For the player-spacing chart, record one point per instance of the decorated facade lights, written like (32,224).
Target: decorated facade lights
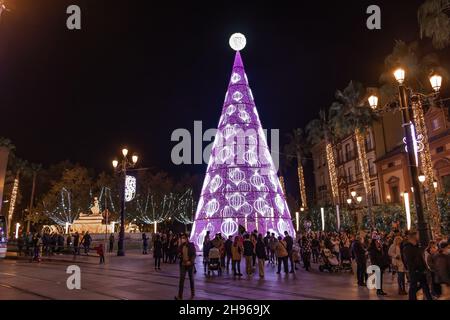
(127,193)
(416,141)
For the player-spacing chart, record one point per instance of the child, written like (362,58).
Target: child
(101,253)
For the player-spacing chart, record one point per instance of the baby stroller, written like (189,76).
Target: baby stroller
(214,261)
(346,261)
(330,262)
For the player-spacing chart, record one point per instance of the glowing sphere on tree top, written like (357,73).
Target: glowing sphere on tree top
(241,186)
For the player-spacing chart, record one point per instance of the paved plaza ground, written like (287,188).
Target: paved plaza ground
(133,277)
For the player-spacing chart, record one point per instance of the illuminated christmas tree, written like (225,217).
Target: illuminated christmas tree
(241,186)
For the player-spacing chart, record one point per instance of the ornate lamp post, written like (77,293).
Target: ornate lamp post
(121,168)
(412,141)
(353,204)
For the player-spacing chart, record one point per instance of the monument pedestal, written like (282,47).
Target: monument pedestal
(91,223)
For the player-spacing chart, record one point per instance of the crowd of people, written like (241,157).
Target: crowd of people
(395,253)
(37,244)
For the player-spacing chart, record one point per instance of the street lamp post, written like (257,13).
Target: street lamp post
(122,168)
(354,207)
(410,134)
(412,144)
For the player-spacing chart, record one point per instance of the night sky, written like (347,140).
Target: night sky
(137,71)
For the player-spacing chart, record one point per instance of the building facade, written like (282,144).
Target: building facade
(387,160)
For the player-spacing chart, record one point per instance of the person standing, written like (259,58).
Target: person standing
(111,242)
(266,244)
(236,255)
(315,248)
(69,242)
(101,253)
(60,239)
(289,245)
(87,240)
(431,251)
(261,254)
(397,263)
(273,244)
(144,244)
(76,243)
(186,252)
(377,258)
(20,243)
(206,248)
(282,255)
(157,251)
(306,252)
(248,254)
(254,239)
(228,245)
(415,263)
(359,255)
(441,266)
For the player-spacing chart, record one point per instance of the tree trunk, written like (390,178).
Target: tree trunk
(427,169)
(364,167)
(332,172)
(12,200)
(301,182)
(33,188)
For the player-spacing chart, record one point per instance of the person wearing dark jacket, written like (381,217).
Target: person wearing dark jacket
(377,257)
(157,251)
(290,245)
(228,253)
(111,242)
(248,254)
(415,263)
(207,245)
(186,253)
(76,243)
(359,255)
(261,255)
(441,265)
(144,244)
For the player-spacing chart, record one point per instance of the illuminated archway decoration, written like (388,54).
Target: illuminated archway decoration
(241,186)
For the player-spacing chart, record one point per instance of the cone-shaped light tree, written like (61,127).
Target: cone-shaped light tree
(241,187)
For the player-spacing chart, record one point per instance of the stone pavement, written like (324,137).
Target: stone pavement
(133,277)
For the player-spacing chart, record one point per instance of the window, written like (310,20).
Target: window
(390,164)
(395,194)
(350,174)
(368,142)
(348,152)
(371,167)
(322,180)
(440,149)
(435,124)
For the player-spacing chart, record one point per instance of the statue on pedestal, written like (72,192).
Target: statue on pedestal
(95,209)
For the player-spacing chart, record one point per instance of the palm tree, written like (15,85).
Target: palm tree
(354,116)
(297,148)
(322,130)
(434,22)
(34,169)
(19,166)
